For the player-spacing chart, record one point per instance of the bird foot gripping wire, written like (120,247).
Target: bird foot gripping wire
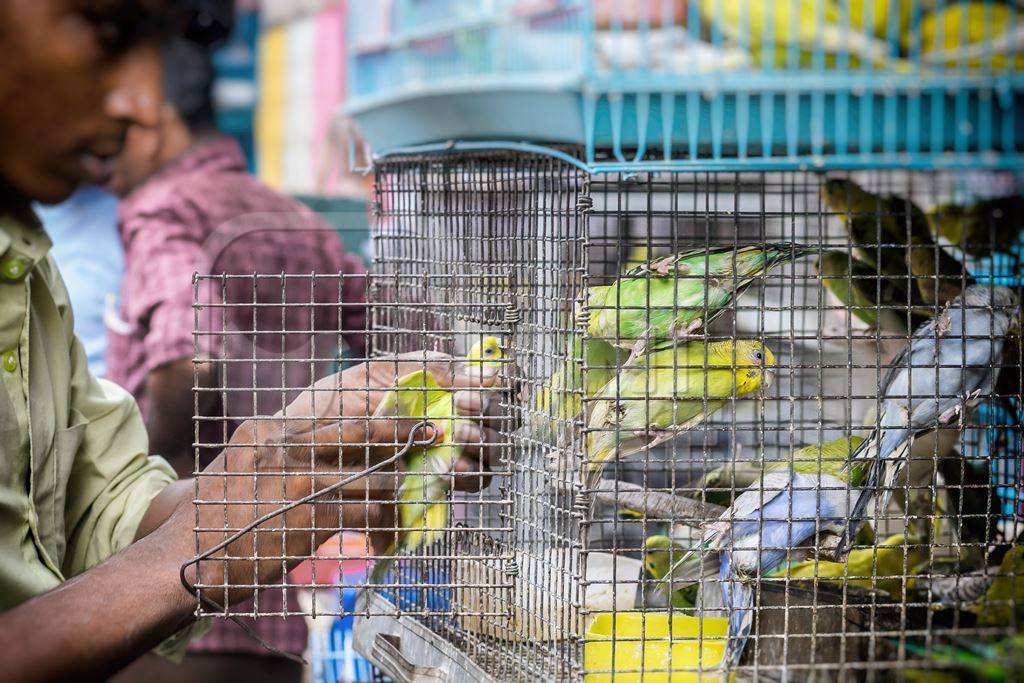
(410,443)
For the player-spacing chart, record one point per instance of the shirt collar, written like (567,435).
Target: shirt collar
(219,154)
(23,243)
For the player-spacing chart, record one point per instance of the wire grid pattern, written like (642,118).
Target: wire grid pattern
(470,245)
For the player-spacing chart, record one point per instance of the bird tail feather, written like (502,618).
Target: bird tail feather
(739,599)
(893,445)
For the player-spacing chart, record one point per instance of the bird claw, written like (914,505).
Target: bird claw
(639,348)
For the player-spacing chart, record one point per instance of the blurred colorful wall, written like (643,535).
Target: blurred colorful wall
(279,91)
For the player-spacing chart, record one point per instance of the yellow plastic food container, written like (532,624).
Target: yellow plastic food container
(635,647)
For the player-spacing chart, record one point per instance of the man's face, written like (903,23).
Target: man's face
(142,154)
(76,75)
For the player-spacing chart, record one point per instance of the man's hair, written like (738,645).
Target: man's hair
(188,82)
(188,69)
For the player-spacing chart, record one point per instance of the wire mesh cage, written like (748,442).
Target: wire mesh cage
(760,424)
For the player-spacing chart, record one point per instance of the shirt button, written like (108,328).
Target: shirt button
(10,361)
(12,268)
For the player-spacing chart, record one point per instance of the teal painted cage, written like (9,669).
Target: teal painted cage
(682,84)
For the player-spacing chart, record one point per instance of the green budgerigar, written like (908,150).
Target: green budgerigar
(669,299)
(668,392)
(877,237)
(660,553)
(423,507)
(980,228)
(894,235)
(1003,604)
(859,287)
(721,483)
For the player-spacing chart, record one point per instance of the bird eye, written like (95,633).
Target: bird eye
(758,356)
(489,350)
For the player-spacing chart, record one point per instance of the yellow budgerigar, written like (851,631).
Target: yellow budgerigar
(660,553)
(883,567)
(808,26)
(668,392)
(972,35)
(559,400)
(423,507)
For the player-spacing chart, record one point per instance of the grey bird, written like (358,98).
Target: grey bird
(949,366)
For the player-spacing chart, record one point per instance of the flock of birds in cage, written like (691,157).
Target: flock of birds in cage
(645,369)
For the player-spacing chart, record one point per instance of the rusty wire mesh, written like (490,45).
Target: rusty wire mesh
(523,575)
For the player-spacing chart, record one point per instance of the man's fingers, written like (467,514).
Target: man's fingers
(479,443)
(476,376)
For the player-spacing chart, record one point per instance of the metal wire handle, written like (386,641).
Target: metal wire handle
(410,443)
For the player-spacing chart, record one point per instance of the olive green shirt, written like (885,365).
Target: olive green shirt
(75,476)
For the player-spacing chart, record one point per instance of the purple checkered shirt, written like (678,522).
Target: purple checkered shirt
(203,213)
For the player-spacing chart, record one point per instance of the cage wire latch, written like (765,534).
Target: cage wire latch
(410,443)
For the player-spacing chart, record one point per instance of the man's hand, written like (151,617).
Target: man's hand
(329,432)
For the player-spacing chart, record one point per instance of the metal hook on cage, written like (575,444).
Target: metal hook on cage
(410,443)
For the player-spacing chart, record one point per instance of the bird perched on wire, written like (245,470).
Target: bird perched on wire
(795,499)
(423,508)
(950,364)
(660,553)
(559,400)
(669,299)
(668,392)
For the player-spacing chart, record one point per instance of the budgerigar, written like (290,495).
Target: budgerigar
(668,392)
(559,401)
(660,553)
(884,567)
(423,507)
(877,237)
(894,235)
(980,228)
(950,364)
(794,500)
(948,34)
(1003,604)
(808,26)
(669,299)
(866,294)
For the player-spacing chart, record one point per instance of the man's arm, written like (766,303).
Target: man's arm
(172,403)
(113,612)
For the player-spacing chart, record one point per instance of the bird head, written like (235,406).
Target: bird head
(841,194)
(754,361)
(485,352)
(658,555)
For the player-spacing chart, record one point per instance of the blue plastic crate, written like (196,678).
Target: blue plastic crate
(333,655)
(664,88)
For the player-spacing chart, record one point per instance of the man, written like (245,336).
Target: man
(88,252)
(93,534)
(189,206)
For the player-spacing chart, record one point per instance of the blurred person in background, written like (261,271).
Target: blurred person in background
(87,249)
(95,534)
(190,206)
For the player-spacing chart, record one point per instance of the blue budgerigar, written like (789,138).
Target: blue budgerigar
(949,366)
(796,498)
